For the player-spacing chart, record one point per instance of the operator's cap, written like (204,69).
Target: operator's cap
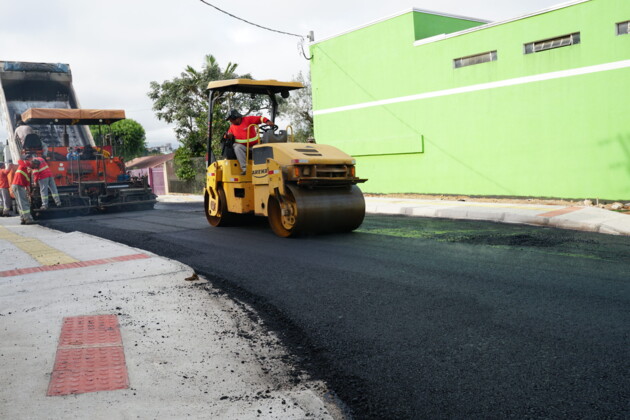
(234,114)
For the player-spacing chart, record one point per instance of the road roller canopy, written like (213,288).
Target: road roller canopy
(260,87)
(59,116)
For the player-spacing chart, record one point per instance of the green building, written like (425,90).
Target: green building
(536,106)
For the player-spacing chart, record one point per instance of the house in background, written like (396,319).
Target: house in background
(534,106)
(156,168)
(164,149)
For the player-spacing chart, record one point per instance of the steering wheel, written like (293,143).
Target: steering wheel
(267,127)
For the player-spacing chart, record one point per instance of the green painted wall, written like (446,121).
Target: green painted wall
(563,137)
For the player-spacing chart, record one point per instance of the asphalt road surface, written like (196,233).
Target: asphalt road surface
(423,318)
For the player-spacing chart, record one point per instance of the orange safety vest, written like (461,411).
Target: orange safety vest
(247,131)
(4,178)
(42,172)
(21,177)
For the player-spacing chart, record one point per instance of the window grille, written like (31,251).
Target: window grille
(623,28)
(548,44)
(475,59)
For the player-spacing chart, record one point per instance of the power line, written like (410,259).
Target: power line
(300,42)
(251,23)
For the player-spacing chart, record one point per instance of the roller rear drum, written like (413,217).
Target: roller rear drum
(305,211)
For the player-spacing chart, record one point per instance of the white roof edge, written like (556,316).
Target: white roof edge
(492,24)
(383,19)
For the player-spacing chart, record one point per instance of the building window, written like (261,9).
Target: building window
(475,59)
(548,44)
(623,28)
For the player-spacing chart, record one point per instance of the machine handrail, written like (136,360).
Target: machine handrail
(247,144)
(291,136)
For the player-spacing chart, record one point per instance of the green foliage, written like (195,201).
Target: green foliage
(183,101)
(185,169)
(298,108)
(127,137)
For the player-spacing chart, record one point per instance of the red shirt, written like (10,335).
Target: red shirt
(4,178)
(43,171)
(21,176)
(247,132)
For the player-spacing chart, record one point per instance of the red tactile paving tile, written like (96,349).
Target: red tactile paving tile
(65,382)
(30,270)
(90,331)
(90,356)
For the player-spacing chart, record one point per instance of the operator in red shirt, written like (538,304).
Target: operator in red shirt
(244,132)
(44,177)
(21,183)
(5,196)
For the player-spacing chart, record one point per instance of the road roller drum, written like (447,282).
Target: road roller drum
(308,211)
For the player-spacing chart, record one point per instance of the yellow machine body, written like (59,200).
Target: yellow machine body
(300,187)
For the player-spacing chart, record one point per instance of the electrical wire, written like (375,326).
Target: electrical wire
(246,21)
(300,43)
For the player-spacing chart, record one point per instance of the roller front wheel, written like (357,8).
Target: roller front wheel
(283,217)
(222,216)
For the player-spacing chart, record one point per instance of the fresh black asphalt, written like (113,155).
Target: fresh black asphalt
(423,318)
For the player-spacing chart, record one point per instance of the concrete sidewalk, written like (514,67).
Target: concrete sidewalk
(586,218)
(184,349)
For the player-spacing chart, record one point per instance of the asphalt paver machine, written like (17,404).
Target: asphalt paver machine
(91,178)
(42,95)
(302,188)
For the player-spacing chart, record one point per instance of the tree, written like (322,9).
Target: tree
(299,109)
(128,137)
(183,101)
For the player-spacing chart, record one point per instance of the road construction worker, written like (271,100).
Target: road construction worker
(46,181)
(5,196)
(72,154)
(244,134)
(19,186)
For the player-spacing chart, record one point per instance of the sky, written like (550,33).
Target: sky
(115,48)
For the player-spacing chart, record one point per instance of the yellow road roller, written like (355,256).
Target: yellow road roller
(302,188)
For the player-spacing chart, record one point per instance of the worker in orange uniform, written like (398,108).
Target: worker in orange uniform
(46,181)
(244,134)
(5,196)
(19,186)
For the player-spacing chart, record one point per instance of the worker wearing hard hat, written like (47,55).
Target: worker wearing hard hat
(20,184)
(44,178)
(244,132)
